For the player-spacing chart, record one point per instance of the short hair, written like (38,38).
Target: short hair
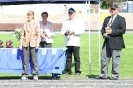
(31,12)
(44,13)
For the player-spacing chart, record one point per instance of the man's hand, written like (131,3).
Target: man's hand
(71,33)
(67,32)
(109,31)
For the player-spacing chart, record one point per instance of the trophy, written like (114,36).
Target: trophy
(106,28)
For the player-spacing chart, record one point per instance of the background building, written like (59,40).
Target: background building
(50,8)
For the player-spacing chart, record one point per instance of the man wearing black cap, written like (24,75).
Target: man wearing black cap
(72,29)
(114,27)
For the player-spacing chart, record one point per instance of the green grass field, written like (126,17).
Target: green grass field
(126,66)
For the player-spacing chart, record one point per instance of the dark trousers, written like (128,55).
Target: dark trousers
(45,45)
(27,51)
(75,50)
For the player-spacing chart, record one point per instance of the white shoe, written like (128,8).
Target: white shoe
(24,78)
(35,78)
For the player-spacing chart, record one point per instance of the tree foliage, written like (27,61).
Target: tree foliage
(106,3)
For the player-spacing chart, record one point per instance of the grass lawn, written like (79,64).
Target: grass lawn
(126,65)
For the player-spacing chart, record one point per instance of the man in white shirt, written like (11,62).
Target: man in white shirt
(72,29)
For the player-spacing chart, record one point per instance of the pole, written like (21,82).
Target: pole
(1,6)
(89,41)
(127,6)
(99,33)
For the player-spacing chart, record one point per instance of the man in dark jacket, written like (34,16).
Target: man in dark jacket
(114,27)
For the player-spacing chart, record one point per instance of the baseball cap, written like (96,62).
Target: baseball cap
(114,6)
(71,10)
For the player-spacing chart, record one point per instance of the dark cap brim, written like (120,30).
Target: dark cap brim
(113,8)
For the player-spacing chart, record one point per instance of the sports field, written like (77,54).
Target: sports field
(126,65)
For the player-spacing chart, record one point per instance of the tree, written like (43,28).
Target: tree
(106,3)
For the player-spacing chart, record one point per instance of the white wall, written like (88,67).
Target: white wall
(39,8)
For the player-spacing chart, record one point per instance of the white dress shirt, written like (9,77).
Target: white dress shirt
(76,25)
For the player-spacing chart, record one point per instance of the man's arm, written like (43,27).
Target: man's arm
(22,36)
(63,29)
(122,28)
(38,32)
(103,28)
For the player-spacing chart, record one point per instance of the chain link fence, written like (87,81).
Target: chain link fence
(125,7)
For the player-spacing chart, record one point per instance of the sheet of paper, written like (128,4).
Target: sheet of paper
(14,51)
(54,51)
(44,51)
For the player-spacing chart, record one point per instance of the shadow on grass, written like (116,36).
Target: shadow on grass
(92,76)
(49,77)
(9,77)
(29,77)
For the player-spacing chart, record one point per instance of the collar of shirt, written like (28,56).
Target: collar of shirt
(72,19)
(46,23)
(30,22)
(114,16)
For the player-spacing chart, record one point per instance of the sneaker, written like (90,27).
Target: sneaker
(35,78)
(77,74)
(113,78)
(24,78)
(100,77)
(67,73)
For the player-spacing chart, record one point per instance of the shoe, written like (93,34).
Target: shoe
(113,78)
(99,77)
(35,78)
(78,74)
(67,73)
(24,78)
